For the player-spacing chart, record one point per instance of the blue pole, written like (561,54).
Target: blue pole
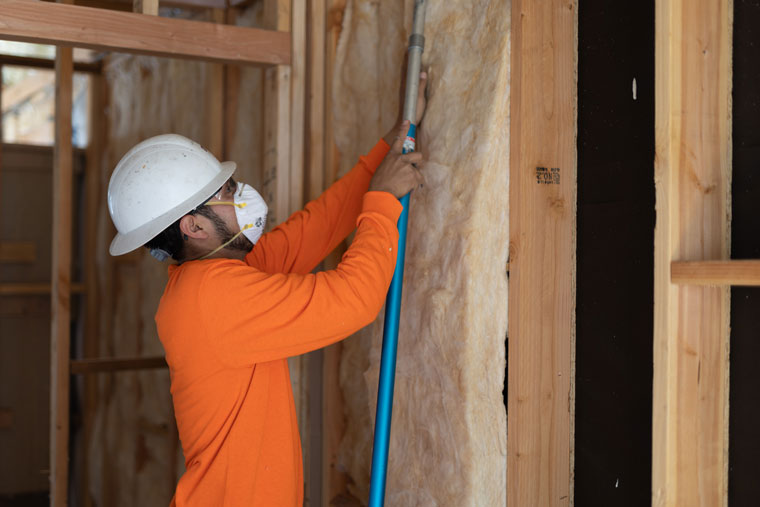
(393,301)
(388,368)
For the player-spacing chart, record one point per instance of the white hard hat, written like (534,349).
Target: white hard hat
(156,183)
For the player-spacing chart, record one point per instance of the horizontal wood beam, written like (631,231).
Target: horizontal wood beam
(73,25)
(18,252)
(239,4)
(746,273)
(127,5)
(86,366)
(34,289)
(45,63)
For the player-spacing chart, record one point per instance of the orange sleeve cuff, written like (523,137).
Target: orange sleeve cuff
(383,203)
(375,156)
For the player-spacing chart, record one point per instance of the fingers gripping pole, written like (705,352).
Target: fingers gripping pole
(393,301)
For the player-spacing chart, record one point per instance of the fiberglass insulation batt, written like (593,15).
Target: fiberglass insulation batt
(448,438)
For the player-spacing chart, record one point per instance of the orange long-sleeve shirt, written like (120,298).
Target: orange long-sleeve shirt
(227,327)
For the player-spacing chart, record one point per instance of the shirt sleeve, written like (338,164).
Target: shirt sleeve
(305,239)
(252,316)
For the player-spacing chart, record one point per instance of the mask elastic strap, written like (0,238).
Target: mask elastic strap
(212,252)
(228,203)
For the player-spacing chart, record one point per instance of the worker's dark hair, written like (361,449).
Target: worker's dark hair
(170,239)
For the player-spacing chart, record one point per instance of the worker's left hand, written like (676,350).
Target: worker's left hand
(398,173)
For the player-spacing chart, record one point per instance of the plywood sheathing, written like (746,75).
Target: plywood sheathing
(448,441)
(693,184)
(133,452)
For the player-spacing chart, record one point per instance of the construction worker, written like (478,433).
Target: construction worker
(238,302)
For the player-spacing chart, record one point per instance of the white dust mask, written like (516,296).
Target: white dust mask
(250,211)
(251,214)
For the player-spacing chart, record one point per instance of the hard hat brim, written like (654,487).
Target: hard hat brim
(125,243)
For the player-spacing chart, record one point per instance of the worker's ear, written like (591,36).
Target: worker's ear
(192,228)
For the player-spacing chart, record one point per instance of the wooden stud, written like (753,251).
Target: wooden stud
(277,119)
(93,169)
(334,479)
(2,134)
(280,78)
(276,184)
(311,178)
(334,24)
(61,279)
(215,99)
(149,7)
(692,177)
(86,366)
(298,103)
(316,147)
(542,199)
(135,33)
(231,97)
(18,252)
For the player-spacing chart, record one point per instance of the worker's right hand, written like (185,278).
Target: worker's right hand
(398,173)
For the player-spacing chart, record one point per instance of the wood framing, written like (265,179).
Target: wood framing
(739,273)
(60,297)
(18,252)
(92,202)
(2,135)
(311,126)
(85,366)
(333,419)
(44,63)
(215,99)
(30,21)
(692,176)
(231,96)
(315,175)
(298,103)
(129,5)
(277,118)
(149,7)
(542,201)
(34,289)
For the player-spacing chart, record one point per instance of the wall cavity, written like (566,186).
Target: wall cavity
(448,442)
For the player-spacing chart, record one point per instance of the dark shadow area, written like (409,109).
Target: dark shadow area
(36,499)
(744,412)
(615,245)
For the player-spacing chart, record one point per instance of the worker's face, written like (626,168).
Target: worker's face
(224,220)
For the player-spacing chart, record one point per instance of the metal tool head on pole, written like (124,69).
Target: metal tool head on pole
(414,62)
